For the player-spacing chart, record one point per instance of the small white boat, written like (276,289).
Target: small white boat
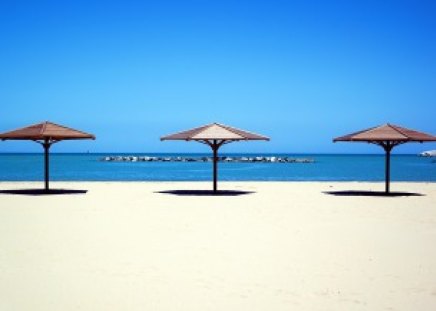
(430,153)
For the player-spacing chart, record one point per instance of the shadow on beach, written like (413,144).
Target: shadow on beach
(42,192)
(350,193)
(205,192)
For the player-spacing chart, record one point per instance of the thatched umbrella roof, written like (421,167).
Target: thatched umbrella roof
(45,130)
(387,136)
(215,131)
(215,135)
(387,132)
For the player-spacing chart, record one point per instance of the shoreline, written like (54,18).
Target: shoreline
(393,182)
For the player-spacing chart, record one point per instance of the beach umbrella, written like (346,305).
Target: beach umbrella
(46,134)
(214,135)
(387,136)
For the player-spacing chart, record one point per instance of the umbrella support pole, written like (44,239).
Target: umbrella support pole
(388,170)
(215,167)
(387,146)
(215,145)
(46,144)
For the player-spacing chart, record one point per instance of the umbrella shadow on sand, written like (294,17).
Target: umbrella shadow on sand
(357,193)
(205,192)
(37,192)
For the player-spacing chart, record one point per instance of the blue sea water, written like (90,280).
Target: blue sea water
(327,167)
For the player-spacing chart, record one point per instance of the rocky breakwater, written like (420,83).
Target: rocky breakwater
(278,159)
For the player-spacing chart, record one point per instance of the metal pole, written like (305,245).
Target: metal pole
(46,146)
(388,149)
(215,165)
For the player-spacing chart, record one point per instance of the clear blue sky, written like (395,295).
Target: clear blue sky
(301,72)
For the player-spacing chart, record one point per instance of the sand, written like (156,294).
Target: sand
(285,246)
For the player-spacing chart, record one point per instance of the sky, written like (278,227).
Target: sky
(300,72)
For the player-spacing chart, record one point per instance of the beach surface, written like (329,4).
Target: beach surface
(260,246)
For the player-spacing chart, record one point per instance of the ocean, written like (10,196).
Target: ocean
(326,167)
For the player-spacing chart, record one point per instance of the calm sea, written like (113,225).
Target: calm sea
(75,167)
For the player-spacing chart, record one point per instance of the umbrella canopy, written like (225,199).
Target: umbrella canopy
(46,134)
(387,136)
(215,135)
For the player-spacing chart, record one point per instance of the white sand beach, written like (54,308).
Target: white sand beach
(285,246)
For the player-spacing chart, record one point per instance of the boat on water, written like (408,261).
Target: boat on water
(430,153)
